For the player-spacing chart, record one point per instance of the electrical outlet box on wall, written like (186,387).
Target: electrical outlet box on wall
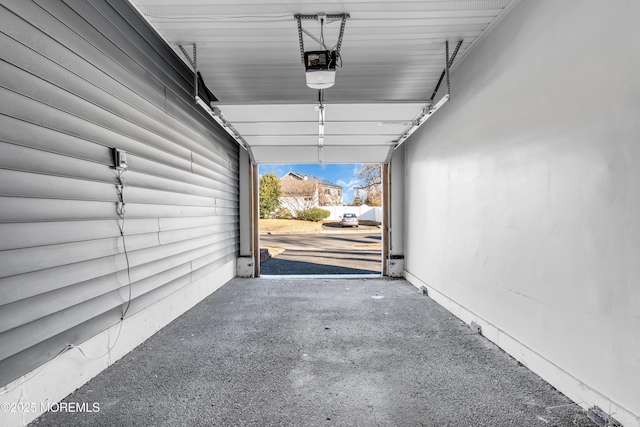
(120,159)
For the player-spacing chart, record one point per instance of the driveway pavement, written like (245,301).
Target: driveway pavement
(331,352)
(339,251)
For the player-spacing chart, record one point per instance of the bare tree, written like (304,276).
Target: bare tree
(329,195)
(371,177)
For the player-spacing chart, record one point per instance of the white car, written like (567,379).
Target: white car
(349,220)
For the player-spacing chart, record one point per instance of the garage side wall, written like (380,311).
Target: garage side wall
(523,197)
(77,79)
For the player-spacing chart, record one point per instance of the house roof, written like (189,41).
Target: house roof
(321,180)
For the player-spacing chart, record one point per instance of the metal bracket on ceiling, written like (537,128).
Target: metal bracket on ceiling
(299,18)
(228,127)
(214,112)
(432,108)
(445,71)
(342,25)
(194,65)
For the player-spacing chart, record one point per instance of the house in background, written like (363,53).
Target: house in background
(301,192)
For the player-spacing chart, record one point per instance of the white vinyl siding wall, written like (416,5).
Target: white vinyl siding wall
(78,78)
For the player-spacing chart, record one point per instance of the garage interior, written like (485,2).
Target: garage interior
(131,133)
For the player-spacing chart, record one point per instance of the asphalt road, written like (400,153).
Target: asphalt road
(352,251)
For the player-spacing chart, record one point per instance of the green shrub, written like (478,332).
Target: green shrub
(283,213)
(313,214)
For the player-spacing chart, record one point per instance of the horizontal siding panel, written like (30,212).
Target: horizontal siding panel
(26,235)
(20,261)
(27,84)
(181,273)
(165,171)
(19,339)
(167,237)
(156,266)
(18,157)
(145,195)
(201,170)
(21,209)
(31,309)
(226,170)
(211,267)
(27,134)
(143,37)
(142,180)
(15,288)
(157,294)
(27,184)
(40,114)
(227,211)
(151,298)
(179,223)
(103,68)
(140,226)
(64,80)
(118,53)
(158,252)
(27,159)
(162,52)
(222,143)
(232,204)
(40,20)
(140,241)
(28,310)
(210,258)
(110,77)
(99,69)
(151,210)
(14,367)
(23,158)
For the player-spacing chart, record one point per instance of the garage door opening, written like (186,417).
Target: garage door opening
(320,219)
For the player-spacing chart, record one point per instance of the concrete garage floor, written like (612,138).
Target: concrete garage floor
(318,352)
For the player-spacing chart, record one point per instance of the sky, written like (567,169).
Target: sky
(343,175)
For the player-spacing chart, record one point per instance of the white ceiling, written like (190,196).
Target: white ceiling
(393,53)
